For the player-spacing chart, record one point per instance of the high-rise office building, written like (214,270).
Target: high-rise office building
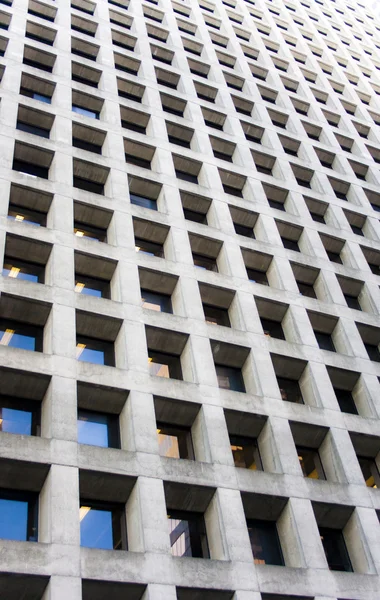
(189,306)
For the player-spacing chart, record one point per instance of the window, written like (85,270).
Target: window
(98,429)
(245,452)
(216,315)
(306,289)
(272,328)
(18,516)
(187,532)
(19,335)
(346,401)
(230,378)
(175,441)
(149,248)
(93,233)
(265,542)
(95,351)
(92,286)
(163,364)
(335,549)
(102,525)
(310,463)
(290,390)
(18,269)
(325,341)
(373,352)
(257,276)
(20,214)
(155,301)
(92,114)
(144,202)
(370,471)
(205,262)
(19,416)
(352,301)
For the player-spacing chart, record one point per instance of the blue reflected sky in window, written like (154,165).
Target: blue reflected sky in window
(91,292)
(94,433)
(13,520)
(16,421)
(42,98)
(21,275)
(96,529)
(17,340)
(85,112)
(24,220)
(92,356)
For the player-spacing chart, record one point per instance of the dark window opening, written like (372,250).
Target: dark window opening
(95,148)
(318,218)
(133,126)
(88,185)
(335,549)
(197,217)
(265,543)
(88,231)
(346,401)
(306,289)
(352,301)
(228,189)
(334,257)
(230,378)
(257,276)
(370,471)
(290,390)
(216,315)
(205,262)
(30,168)
(290,244)
(243,230)
(31,94)
(245,452)
(84,80)
(41,131)
(276,204)
(155,301)
(149,248)
(137,160)
(186,176)
(37,65)
(310,462)
(373,352)
(272,328)
(325,341)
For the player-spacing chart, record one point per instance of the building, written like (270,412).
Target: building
(189,307)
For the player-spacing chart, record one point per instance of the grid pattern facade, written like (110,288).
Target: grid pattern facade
(224,157)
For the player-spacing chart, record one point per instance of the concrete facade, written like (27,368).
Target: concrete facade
(302,81)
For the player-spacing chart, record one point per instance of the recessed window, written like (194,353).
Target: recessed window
(310,463)
(98,429)
(162,364)
(155,301)
(174,441)
(19,416)
(92,114)
(95,351)
(149,248)
(187,532)
(346,401)
(92,286)
(335,549)
(290,390)
(216,315)
(265,542)
(230,378)
(19,516)
(245,452)
(144,202)
(257,276)
(272,328)
(102,525)
(27,271)
(205,262)
(370,471)
(93,233)
(21,214)
(19,335)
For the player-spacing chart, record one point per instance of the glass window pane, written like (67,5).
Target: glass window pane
(93,429)
(96,528)
(90,355)
(13,520)
(179,537)
(17,340)
(168,445)
(16,421)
